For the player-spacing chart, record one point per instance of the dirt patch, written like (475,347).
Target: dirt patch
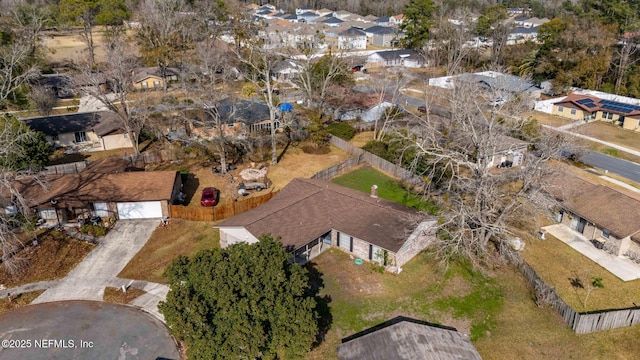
(551,120)
(362,138)
(462,325)
(52,258)
(116,296)
(181,237)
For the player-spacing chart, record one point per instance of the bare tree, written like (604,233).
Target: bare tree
(12,140)
(386,87)
(164,33)
(112,88)
(626,58)
(27,21)
(462,152)
(44,98)
(16,68)
(451,35)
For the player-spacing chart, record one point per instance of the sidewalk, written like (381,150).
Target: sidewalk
(617,147)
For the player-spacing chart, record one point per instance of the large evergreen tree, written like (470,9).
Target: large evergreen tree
(416,23)
(246,301)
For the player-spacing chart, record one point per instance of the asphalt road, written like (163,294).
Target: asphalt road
(83,330)
(624,168)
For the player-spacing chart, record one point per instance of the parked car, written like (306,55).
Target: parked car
(498,102)
(210,196)
(422,109)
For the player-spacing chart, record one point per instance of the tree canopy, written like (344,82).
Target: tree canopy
(26,149)
(417,21)
(246,301)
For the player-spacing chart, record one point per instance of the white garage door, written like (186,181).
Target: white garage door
(139,210)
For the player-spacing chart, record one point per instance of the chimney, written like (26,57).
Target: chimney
(374,191)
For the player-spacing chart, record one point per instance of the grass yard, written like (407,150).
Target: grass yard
(388,188)
(557,263)
(54,256)
(551,120)
(181,237)
(18,300)
(611,133)
(116,296)
(297,164)
(362,297)
(497,309)
(362,138)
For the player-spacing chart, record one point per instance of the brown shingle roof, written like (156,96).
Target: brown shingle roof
(80,189)
(307,208)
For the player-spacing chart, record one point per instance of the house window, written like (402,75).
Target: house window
(605,234)
(573,111)
(560,108)
(156,84)
(144,85)
(81,136)
(610,116)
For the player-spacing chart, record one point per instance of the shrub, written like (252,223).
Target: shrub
(311,149)
(95,230)
(342,130)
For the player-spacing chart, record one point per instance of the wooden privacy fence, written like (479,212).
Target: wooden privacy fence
(69,168)
(377,162)
(581,323)
(219,212)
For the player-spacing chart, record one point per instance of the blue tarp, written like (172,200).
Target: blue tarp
(286,107)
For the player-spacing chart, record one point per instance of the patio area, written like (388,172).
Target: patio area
(620,266)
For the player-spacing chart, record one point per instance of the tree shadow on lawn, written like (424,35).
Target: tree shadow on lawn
(325,319)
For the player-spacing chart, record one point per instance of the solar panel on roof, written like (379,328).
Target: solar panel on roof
(590,105)
(584,101)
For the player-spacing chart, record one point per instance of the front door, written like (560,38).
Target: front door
(581,224)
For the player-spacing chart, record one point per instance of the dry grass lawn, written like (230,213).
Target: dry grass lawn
(18,300)
(362,138)
(611,133)
(181,237)
(557,263)
(116,296)
(551,120)
(54,256)
(498,310)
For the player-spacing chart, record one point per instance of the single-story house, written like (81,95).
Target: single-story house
(509,149)
(521,34)
(588,107)
(404,338)
(371,114)
(406,58)
(310,216)
(352,39)
(599,213)
(124,195)
(89,131)
(152,78)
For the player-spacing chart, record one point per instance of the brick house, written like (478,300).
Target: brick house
(601,214)
(311,216)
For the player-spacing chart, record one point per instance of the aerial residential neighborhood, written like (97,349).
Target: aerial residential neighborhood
(318,180)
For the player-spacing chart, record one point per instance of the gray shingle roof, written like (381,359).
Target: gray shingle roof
(102,122)
(307,208)
(408,339)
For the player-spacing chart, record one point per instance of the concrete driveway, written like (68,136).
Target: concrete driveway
(620,266)
(83,330)
(85,281)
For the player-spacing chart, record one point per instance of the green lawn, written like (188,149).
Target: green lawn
(388,188)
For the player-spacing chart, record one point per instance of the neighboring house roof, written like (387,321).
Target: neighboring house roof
(592,104)
(352,32)
(407,339)
(246,111)
(370,18)
(500,81)
(605,207)
(145,73)
(79,189)
(305,209)
(101,122)
(383,19)
(380,30)
(332,20)
(399,54)
(524,30)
